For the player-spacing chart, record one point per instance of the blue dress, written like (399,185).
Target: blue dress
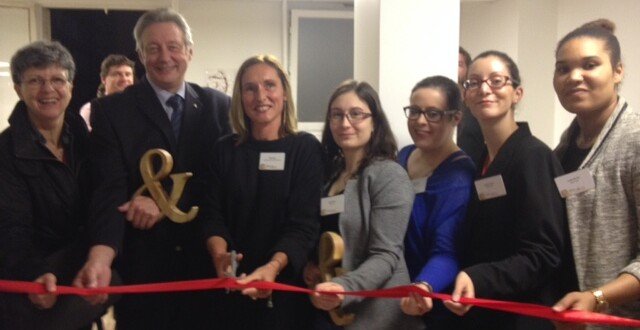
(432,240)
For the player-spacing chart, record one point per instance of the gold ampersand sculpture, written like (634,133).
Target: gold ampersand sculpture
(330,253)
(166,204)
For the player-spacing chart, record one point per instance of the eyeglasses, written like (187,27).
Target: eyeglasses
(37,82)
(494,82)
(353,117)
(432,115)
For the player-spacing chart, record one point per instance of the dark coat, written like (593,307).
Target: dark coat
(517,244)
(41,198)
(469,135)
(125,126)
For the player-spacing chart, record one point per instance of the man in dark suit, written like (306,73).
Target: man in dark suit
(162,111)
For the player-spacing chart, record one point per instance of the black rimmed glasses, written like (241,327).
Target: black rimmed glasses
(353,117)
(494,82)
(433,115)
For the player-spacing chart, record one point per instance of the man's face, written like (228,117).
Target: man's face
(117,79)
(462,69)
(165,55)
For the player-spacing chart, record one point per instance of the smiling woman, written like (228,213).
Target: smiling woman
(442,177)
(43,194)
(515,237)
(373,218)
(602,143)
(263,201)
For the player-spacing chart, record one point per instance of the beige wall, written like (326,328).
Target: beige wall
(228,32)
(14,24)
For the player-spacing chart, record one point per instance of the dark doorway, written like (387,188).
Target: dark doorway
(91,35)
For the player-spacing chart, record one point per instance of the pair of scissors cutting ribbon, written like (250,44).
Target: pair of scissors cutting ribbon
(234,266)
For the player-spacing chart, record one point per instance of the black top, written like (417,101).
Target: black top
(262,212)
(469,136)
(516,244)
(42,200)
(329,222)
(574,156)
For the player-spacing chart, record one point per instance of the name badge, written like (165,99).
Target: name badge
(491,187)
(332,205)
(575,182)
(271,161)
(419,185)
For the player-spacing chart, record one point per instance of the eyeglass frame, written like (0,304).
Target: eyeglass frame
(424,112)
(349,116)
(507,79)
(38,83)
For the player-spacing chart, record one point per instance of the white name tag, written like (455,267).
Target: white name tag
(419,185)
(491,187)
(271,161)
(575,182)
(332,205)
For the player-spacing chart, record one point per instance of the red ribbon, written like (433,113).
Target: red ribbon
(396,292)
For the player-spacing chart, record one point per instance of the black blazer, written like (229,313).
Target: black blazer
(516,245)
(125,126)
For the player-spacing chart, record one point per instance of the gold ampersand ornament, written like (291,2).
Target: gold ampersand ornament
(330,253)
(166,204)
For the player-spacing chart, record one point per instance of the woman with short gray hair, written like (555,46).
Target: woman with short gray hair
(43,193)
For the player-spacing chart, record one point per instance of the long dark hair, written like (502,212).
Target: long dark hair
(382,144)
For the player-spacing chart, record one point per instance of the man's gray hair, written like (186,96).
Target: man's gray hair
(161,15)
(40,55)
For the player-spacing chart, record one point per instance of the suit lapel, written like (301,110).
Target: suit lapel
(150,106)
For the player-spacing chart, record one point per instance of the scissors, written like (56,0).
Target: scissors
(234,266)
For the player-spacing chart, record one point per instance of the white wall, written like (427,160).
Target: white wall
(489,25)
(528,31)
(417,39)
(226,32)
(536,37)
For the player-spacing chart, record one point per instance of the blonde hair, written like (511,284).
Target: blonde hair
(240,122)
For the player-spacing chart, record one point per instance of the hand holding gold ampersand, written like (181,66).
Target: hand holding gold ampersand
(330,253)
(152,183)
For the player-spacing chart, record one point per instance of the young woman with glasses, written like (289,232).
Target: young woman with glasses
(372,221)
(602,143)
(515,231)
(442,177)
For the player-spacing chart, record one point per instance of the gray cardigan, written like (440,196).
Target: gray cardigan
(374,250)
(604,221)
